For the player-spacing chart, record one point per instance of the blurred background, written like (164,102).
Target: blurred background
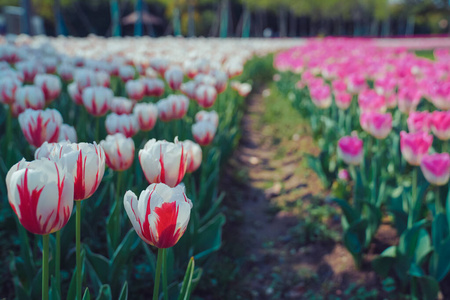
(226,18)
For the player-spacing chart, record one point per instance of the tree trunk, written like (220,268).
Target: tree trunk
(410,25)
(176,22)
(138,24)
(246,22)
(191,21)
(282,18)
(292,25)
(224,18)
(115,18)
(59,21)
(25,18)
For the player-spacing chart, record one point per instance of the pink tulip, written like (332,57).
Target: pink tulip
(339,86)
(408,99)
(343,100)
(419,121)
(377,124)
(440,124)
(414,146)
(39,126)
(321,95)
(146,114)
(386,85)
(436,168)
(119,151)
(356,83)
(350,150)
(370,101)
(344,175)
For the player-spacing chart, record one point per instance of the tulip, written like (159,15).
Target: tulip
(29,96)
(119,151)
(377,124)
(161,214)
(29,69)
(194,155)
(205,95)
(8,88)
(419,121)
(385,86)
(39,126)
(408,99)
(174,77)
(321,95)
(233,68)
(243,89)
(50,86)
(221,80)
(356,83)
(436,168)
(369,100)
(342,100)
(190,68)
(210,116)
(350,149)
(121,106)
(204,132)
(126,73)
(173,107)
(344,175)
(440,124)
(66,71)
(189,88)
(414,146)
(153,87)
(102,78)
(160,65)
(85,78)
(126,124)
(50,63)
(339,86)
(41,194)
(135,89)
(163,162)
(97,100)
(67,133)
(146,114)
(75,93)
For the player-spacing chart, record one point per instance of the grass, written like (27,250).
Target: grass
(425,53)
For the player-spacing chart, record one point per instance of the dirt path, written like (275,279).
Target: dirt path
(280,236)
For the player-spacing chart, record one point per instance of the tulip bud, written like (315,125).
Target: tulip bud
(39,126)
(66,71)
(121,105)
(210,116)
(173,107)
(436,168)
(440,124)
(97,100)
(350,149)
(29,96)
(41,194)
(204,132)
(344,175)
(126,124)
(163,162)
(221,80)
(174,77)
(205,95)
(146,114)
(153,87)
(414,146)
(102,78)
(160,216)
(50,86)
(119,151)
(74,93)
(194,155)
(8,88)
(135,89)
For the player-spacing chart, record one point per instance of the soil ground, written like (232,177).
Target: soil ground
(281,239)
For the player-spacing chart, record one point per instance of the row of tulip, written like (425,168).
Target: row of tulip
(43,88)
(380,116)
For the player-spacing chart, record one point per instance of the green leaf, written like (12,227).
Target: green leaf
(415,270)
(383,265)
(87,295)
(99,263)
(423,247)
(72,292)
(408,240)
(350,214)
(355,235)
(186,286)
(112,233)
(150,257)
(36,286)
(439,229)
(209,237)
(54,293)
(123,253)
(105,293)
(429,288)
(439,265)
(124,292)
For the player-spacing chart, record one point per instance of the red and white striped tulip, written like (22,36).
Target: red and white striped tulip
(102,78)
(436,168)
(119,151)
(221,80)
(67,133)
(29,97)
(161,214)
(135,89)
(194,155)
(204,132)
(8,88)
(66,71)
(75,93)
(50,86)
(209,116)
(163,162)
(126,73)
(126,124)
(174,77)
(97,100)
(153,86)
(40,126)
(172,107)
(205,95)
(146,114)
(29,69)
(160,65)
(40,192)
(85,78)
(121,106)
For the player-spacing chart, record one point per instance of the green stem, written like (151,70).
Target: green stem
(45,239)
(97,129)
(78,248)
(117,209)
(58,261)
(164,272)
(158,274)
(437,195)
(8,136)
(412,207)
